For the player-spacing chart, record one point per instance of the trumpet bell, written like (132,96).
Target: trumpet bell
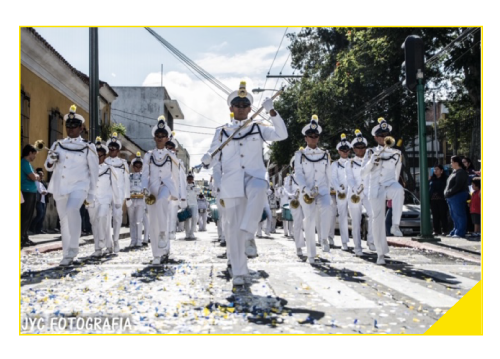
(150,199)
(39,145)
(294,203)
(355,198)
(389,141)
(342,195)
(308,199)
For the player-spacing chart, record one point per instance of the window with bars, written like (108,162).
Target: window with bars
(55,126)
(25,118)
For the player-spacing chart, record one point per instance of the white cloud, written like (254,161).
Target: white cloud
(219,46)
(113,74)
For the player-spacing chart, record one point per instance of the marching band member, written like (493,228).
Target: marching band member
(158,173)
(136,205)
(202,210)
(244,176)
(382,166)
(273,206)
(313,174)
(106,191)
(122,172)
(339,183)
(215,187)
(192,193)
(292,189)
(265,224)
(283,198)
(181,180)
(357,188)
(75,168)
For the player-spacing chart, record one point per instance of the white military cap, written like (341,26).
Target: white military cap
(99,144)
(162,126)
(382,127)
(72,115)
(240,95)
(343,144)
(137,158)
(312,127)
(114,141)
(359,140)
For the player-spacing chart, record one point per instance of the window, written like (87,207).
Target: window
(55,126)
(25,118)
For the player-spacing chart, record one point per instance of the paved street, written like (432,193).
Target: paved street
(194,294)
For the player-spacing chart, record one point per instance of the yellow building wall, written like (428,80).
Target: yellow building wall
(43,100)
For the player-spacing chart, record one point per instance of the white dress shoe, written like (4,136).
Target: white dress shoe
(371,247)
(358,253)
(107,251)
(162,240)
(396,231)
(156,261)
(380,260)
(239,280)
(299,252)
(250,248)
(66,262)
(97,253)
(310,260)
(345,247)
(326,246)
(138,245)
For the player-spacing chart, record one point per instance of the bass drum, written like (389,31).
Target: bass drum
(184,214)
(264,216)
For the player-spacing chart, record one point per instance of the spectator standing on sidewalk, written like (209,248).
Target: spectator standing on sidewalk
(475,206)
(439,207)
(28,190)
(388,218)
(456,193)
(37,223)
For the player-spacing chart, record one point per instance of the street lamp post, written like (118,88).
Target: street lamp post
(257,90)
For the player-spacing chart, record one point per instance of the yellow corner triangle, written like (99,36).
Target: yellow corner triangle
(464,318)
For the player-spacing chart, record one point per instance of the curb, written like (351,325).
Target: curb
(57,246)
(408,243)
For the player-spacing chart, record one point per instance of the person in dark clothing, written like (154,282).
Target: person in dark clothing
(456,193)
(29,191)
(41,200)
(439,207)
(471,172)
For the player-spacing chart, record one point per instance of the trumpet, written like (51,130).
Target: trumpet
(294,203)
(39,145)
(342,195)
(310,199)
(356,198)
(150,198)
(389,142)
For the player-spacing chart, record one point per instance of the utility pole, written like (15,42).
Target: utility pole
(94,129)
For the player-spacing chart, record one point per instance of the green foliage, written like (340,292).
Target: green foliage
(107,130)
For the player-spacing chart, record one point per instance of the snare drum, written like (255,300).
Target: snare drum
(287,214)
(184,214)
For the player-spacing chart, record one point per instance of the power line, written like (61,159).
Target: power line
(176,124)
(126,118)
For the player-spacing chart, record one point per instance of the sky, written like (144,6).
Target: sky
(133,57)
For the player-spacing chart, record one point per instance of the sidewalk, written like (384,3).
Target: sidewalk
(52,242)
(467,249)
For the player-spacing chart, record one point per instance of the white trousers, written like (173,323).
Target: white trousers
(334,211)
(395,192)
(135,218)
(356,209)
(172,219)
(68,209)
(100,217)
(298,221)
(285,227)
(117,220)
(190,223)
(220,225)
(243,215)
(267,224)
(273,220)
(321,205)
(158,213)
(145,223)
(343,224)
(203,221)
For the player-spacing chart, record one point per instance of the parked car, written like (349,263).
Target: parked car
(410,218)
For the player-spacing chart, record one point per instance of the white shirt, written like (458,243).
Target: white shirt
(312,168)
(243,154)
(339,176)
(192,194)
(122,173)
(107,188)
(385,173)
(77,167)
(161,168)
(41,188)
(353,172)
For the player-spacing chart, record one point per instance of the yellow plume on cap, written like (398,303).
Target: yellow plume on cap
(231,114)
(98,139)
(342,136)
(161,117)
(115,134)
(270,183)
(243,83)
(301,148)
(357,132)
(380,119)
(173,133)
(72,108)
(314,117)
(138,154)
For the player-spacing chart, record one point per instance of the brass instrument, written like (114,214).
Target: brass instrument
(332,192)
(150,199)
(389,141)
(310,199)
(356,198)
(39,145)
(342,195)
(294,203)
(221,201)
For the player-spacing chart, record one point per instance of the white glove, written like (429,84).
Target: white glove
(268,104)
(90,198)
(53,158)
(183,204)
(118,206)
(308,192)
(206,159)
(145,191)
(128,202)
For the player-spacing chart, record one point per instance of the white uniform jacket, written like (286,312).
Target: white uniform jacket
(161,168)
(193,192)
(122,172)
(339,176)
(312,168)
(290,187)
(182,180)
(354,177)
(76,169)
(385,173)
(107,189)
